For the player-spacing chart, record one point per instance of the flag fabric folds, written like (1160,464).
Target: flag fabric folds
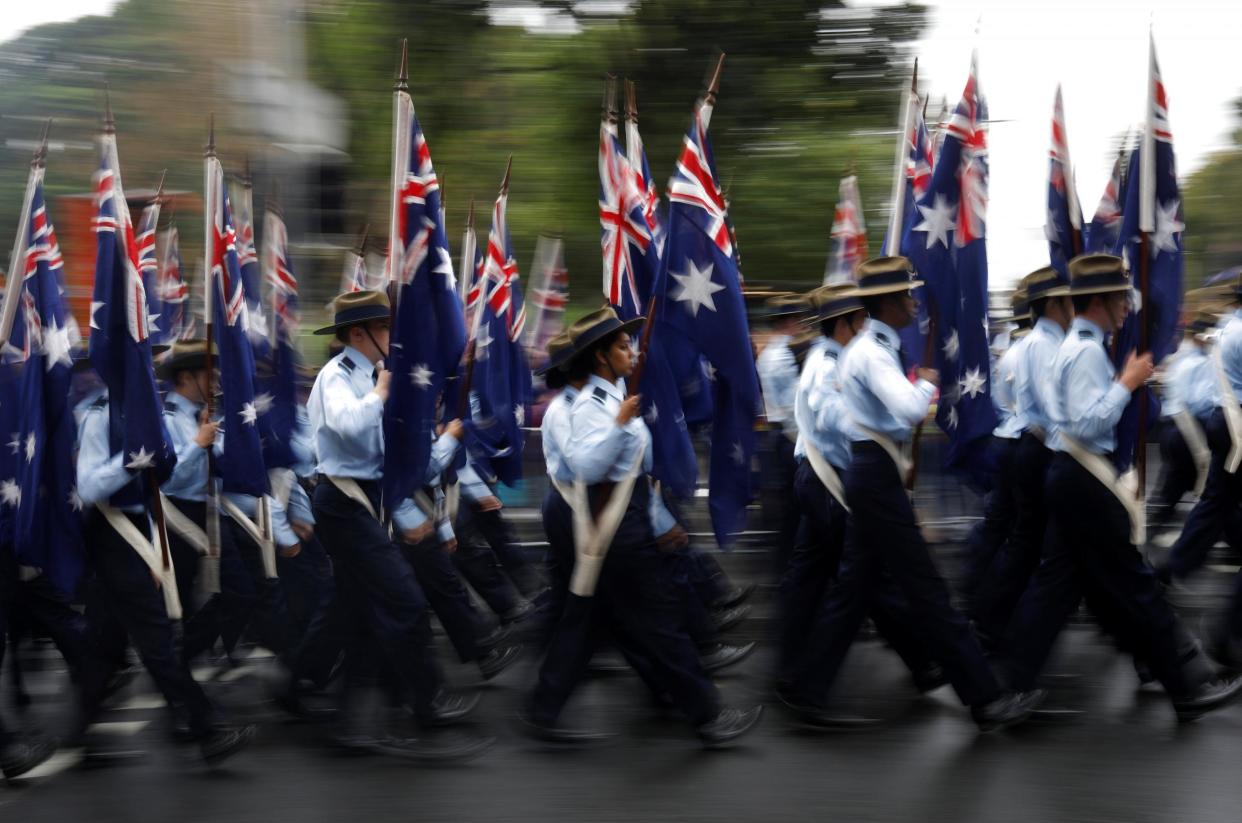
(47,534)
(428,333)
(173,322)
(948,247)
(551,296)
(240,464)
(121,331)
(848,245)
(279,386)
(703,313)
(1063,225)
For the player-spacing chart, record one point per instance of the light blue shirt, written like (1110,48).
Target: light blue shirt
(1190,383)
(101,473)
(1086,400)
(188,480)
(408,515)
(555,433)
(1011,423)
(282,532)
(875,387)
(1230,344)
(778,376)
(599,450)
(820,409)
(1033,375)
(302,444)
(472,486)
(346,418)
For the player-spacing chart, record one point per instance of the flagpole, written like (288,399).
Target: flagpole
(211,569)
(1147,221)
(400,87)
(468,244)
(892,247)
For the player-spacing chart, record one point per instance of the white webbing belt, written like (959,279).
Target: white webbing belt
(1124,488)
(592,537)
(825,472)
(151,552)
(260,532)
(898,453)
(186,529)
(1196,441)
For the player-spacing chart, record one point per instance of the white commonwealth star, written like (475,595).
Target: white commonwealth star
(263,403)
(75,500)
(711,372)
(249,414)
(695,288)
(56,345)
(420,375)
(739,455)
(1167,227)
(1050,227)
(10,493)
(951,417)
(653,414)
(31,445)
(938,221)
(519,414)
(15,445)
(973,382)
(951,346)
(96,305)
(141,459)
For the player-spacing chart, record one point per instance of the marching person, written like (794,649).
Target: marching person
(384,605)
(823,451)
(618,581)
(1093,518)
(123,590)
(882,535)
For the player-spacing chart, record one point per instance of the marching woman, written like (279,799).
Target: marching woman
(617,582)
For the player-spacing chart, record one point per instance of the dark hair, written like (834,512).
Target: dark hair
(1023,322)
(1038,307)
(342,334)
(1082,302)
(555,379)
(873,303)
(828,326)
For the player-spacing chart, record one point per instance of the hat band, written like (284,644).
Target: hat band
(1103,280)
(1034,291)
(360,314)
(840,306)
(888,278)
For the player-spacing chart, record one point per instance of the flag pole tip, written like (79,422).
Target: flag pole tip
(713,82)
(211,135)
(403,70)
(109,119)
(504,184)
(159,188)
(631,101)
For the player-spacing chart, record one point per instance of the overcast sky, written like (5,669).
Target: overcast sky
(1097,50)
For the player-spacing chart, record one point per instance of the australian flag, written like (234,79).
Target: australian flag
(1104,230)
(703,313)
(1152,207)
(240,465)
(172,321)
(428,333)
(1063,225)
(279,388)
(48,525)
(848,243)
(917,175)
(148,262)
(551,297)
(501,382)
(251,278)
(949,250)
(120,341)
(631,223)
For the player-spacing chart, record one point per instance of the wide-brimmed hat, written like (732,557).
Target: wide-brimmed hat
(800,345)
(885,275)
(560,352)
(1203,321)
(833,301)
(786,305)
(352,308)
(185,355)
(596,326)
(1044,282)
(1098,274)
(1020,304)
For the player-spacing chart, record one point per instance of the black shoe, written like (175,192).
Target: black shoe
(607,663)
(724,655)
(558,734)
(498,659)
(1207,697)
(224,742)
(729,725)
(1007,710)
(432,750)
(24,752)
(1225,652)
(728,618)
(518,613)
(494,637)
(734,597)
(451,707)
(930,678)
(817,717)
(1164,574)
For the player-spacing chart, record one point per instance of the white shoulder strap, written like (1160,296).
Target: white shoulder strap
(825,472)
(152,553)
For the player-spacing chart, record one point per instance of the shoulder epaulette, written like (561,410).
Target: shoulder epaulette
(832,355)
(100,402)
(882,339)
(347,364)
(170,407)
(1084,334)
(600,396)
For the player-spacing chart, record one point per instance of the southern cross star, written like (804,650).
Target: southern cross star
(951,346)
(938,220)
(141,459)
(10,493)
(249,414)
(31,445)
(695,288)
(420,375)
(263,403)
(56,345)
(973,382)
(1167,227)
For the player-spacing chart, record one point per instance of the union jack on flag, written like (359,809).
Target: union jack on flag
(968,126)
(281,386)
(171,324)
(1063,226)
(500,272)
(551,297)
(849,234)
(1105,227)
(223,240)
(279,274)
(694,183)
(622,222)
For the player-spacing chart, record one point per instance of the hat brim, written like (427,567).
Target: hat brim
(189,362)
(592,336)
(556,362)
(378,313)
(1102,289)
(887,288)
(1059,291)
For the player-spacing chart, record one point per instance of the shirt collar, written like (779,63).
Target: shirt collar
(183,403)
(1050,327)
(877,328)
(595,381)
(569,393)
(831,345)
(1083,324)
(359,360)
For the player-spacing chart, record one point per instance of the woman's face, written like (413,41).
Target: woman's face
(620,356)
